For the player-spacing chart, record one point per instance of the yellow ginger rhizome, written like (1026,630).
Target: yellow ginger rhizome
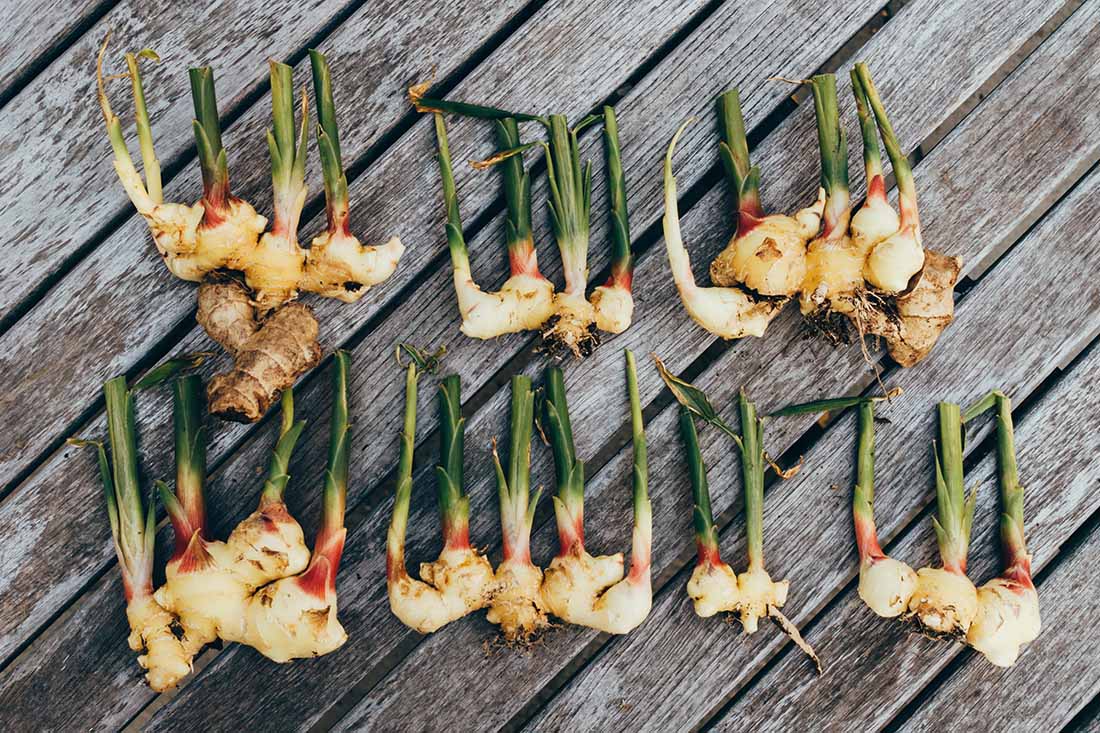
(714,587)
(569,321)
(250,275)
(999,617)
(867,269)
(261,586)
(577,587)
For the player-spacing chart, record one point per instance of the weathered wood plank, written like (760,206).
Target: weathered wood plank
(380,67)
(25,38)
(434,322)
(120,302)
(1057,676)
(607,369)
(861,648)
(65,163)
(439,664)
(816,553)
(423,314)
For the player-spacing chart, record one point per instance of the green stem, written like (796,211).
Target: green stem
(752,471)
(622,259)
(190,438)
(132,544)
(638,442)
(328,143)
(208,140)
(395,539)
(954,511)
(570,202)
(460,257)
(872,155)
(834,155)
(569,472)
(907,189)
(288,156)
(863,496)
(987,402)
(336,472)
(1017,560)
(145,134)
(517,508)
(517,195)
(706,534)
(454,505)
(744,179)
(278,468)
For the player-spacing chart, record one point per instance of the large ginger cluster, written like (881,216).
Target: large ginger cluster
(869,270)
(247,269)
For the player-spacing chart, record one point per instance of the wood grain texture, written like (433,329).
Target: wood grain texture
(75,525)
(439,663)
(622,674)
(26,39)
(63,165)
(604,370)
(1058,676)
(705,662)
(432,321)
(427,312)
(874,666)
(120,302)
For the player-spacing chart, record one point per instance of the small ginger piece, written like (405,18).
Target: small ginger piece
(269,354)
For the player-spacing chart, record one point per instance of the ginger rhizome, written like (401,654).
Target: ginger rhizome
(269,352)
(713,586)
(886,585)
(222,234)
(767,254)
(577,587)
(516,604)
(163,655)
(869,268)
(261,586)
(569,320)
(945,601)
(460,581)
(295,617)
(728,312)
(918,283)
(1008,605)
(525,300)
(209,583)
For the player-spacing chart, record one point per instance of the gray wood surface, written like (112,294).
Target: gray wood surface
(28,42)
(603,370)
(708,678)
(439,664)
(1058,660)
(1013,148)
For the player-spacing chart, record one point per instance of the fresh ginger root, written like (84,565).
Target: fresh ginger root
(729,312)
(577,587)
(516,605)
(713,586)
(268,355)
(569,321)
(221,233)
(460,581)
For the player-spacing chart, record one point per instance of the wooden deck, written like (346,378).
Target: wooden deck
(997,98)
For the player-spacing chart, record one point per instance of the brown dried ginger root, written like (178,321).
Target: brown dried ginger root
(922,313)
(269,354)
